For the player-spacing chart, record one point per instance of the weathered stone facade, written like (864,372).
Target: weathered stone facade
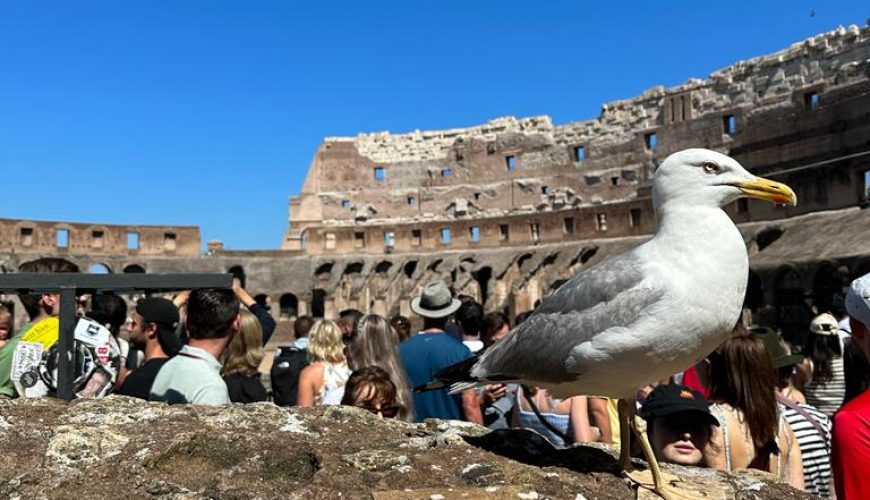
(507,210)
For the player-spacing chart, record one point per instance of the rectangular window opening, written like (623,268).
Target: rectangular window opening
(416,237)
(412,201)
(568,225)
(510,162)
(811,101)
(682,108)
(579,153)
(62,238)
(651,141)
(380,174)
(97,239)
(26,236)
(614,181)
(359,240)
(729,124)
(545,189)
(535,230)
(601,221)
(504,232)
(389,239)
(345,203)
(866,190)
(477,196)
(635,217)
(446,237)
(474,233)
(446,172)
(132,240)
(169,241)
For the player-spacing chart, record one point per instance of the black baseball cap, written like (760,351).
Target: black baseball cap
(668,399)
(163,313)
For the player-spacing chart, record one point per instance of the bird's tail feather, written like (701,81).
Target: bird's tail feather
(457,377)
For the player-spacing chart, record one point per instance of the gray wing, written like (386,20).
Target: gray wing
(611,294)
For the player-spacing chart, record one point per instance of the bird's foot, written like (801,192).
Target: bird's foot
(672,488)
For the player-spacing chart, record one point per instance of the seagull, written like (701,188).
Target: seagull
(644,315)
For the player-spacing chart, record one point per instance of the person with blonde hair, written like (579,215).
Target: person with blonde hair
(376,344)
(322,382)
(242,361)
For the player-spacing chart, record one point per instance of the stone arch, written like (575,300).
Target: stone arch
(133,269)
(828,282)
(238,272)
(482,276)
(318,302)
(793,315)
(354,268)
(323,269)
(289,305)
(99,268)
(767,236)
(754,298)
(383,267)
(409,268)
(262,299)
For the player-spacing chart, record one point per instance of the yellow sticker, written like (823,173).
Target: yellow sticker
(46,332)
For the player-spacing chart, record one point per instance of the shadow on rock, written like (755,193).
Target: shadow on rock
(529,447)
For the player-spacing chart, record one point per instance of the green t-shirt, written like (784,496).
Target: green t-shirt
(6,354)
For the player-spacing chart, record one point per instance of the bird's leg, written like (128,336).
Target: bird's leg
(624,411)
(648,454)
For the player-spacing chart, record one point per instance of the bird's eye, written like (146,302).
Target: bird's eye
(710,167)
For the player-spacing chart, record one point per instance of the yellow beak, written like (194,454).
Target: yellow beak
(767,189)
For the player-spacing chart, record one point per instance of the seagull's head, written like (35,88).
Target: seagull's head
(700,177)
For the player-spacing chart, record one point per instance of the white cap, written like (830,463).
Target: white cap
(858,300)
(824,324)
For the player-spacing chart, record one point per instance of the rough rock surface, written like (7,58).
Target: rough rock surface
(124,448)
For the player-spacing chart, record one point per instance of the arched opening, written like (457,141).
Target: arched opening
(410,267)
(134,269)
(522,260)
(829,282)
(766,237)
(482,276)
(793,315)
(434,266)
(318,302)
(238,273)
(353,268)
(754,298)
(556,284)
(383,267)
(289,306)
(99,268)
(323,270)
(262,299)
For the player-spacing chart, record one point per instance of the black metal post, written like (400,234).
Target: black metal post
(66,354)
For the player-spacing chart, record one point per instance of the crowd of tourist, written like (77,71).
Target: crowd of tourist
(800,412)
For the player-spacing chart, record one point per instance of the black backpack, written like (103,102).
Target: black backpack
(288,364)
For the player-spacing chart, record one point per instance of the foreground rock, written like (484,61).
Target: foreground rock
(124,448)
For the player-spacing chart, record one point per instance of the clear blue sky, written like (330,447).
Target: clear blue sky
(208,113)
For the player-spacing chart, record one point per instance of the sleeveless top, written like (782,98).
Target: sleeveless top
(828,396)
(335,376)
(718,410)
(528,420)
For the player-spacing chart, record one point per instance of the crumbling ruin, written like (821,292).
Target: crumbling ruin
(508,210)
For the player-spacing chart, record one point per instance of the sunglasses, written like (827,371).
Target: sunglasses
(388,411)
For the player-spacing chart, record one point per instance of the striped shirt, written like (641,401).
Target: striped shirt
(815,448)
(828,396)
